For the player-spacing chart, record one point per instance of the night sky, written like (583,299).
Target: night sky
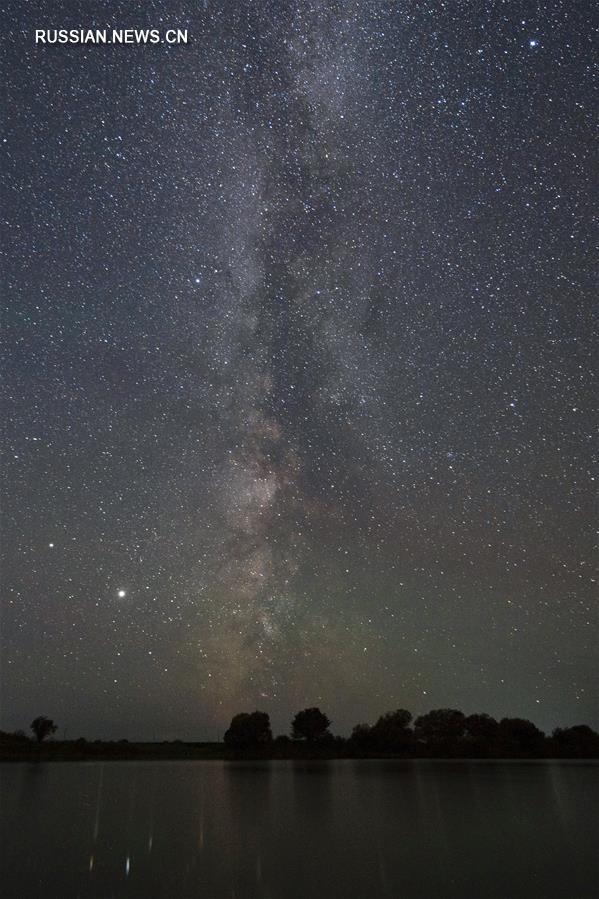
(298,360)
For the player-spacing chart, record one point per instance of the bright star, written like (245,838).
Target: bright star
(533,43)
(121,594)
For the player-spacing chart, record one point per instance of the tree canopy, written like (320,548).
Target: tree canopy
(310,724)
(440,726)
(249,731)
(42,727)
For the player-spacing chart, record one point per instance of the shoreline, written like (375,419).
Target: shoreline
(156,752)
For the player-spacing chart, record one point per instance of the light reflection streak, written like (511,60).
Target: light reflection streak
(98,803)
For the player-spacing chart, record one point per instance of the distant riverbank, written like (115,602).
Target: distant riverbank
(441,733)
(79,750)
(123,750)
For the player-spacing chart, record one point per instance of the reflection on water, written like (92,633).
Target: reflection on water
(292,830)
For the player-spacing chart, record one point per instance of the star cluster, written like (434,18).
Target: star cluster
(298,358)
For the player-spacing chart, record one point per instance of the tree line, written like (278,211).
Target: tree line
(438,733)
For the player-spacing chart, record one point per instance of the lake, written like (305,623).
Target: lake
(300,830)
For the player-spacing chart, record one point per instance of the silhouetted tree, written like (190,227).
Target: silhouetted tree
(481,726)
(42,727)
(480,738)
(440,729)
(391,732)
(361,737)
(399,719)
(520,737)
(310,724)
(579,741)
(249,731)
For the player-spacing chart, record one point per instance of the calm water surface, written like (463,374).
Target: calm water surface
(292,830)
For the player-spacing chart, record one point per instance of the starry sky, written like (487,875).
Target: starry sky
(298,364)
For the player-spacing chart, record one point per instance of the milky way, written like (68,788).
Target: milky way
(298,347)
